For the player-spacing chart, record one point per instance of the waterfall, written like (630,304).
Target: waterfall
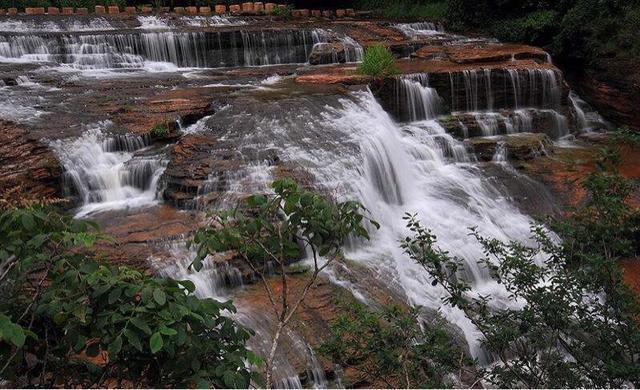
(202,49)
(416,30)
(414,94)
(20,26)
(353,148)
(447,196)
(527,88)
(587,119)
(109,172)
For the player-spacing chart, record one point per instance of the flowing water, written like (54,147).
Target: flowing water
(197,49)
(107,172)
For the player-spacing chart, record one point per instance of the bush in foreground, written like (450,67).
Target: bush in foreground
(66,320)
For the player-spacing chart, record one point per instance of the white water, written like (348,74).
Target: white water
(105,172)
(416,30)
(140,50)
(587,119)
(20,26)
(393,169)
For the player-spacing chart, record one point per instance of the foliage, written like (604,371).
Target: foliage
(377,62)
(282,12)
(66,320)
(537,27)
(406,9)
(577,325)
(278,229)
(393,347)
(160,130)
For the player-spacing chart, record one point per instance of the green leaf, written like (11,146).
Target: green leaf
(27,221)
(140,324)
(133,339)
(188,285)
(168,331)
(156,342)
(159,296)
(115,347)
(114,295)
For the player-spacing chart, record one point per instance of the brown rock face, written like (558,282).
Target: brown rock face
(132,236)
(190,166)
(616,99)
(30,171)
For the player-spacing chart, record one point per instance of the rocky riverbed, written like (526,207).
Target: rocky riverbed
(145,125)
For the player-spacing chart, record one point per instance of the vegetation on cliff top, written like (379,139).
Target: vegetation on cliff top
(591,32)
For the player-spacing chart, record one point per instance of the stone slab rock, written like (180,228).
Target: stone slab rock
(30,171)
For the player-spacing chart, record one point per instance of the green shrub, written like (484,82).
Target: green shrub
(282,12)
(61,309)
(536,28)
(406,9)
(394,347)
(378,61)
(160,130)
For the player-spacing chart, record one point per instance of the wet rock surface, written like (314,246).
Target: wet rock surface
(30,171)
(518,147)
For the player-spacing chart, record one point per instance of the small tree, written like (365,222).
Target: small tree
(378,62)
(394,347)
(280,229)
(578,324)
(68,321)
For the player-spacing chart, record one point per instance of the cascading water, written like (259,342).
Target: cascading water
(414,94)
(202,49)
(587,119)
(20,26)
(109,172)
(416,30)
(528,90)
(353,147)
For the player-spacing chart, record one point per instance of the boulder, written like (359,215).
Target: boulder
(327,53)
